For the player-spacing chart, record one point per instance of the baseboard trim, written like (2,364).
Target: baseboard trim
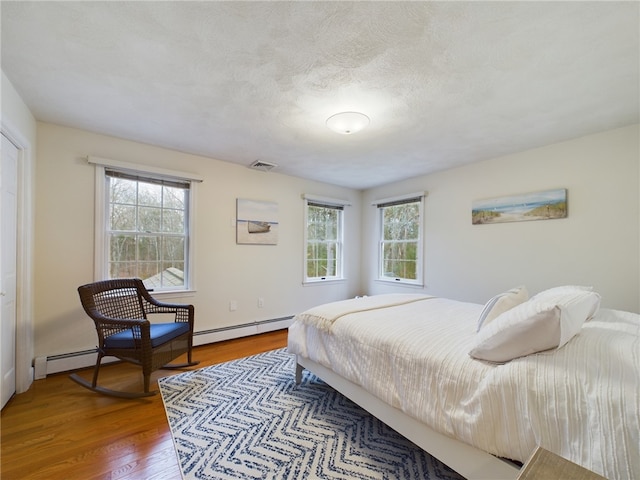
(237,331)
(66,362)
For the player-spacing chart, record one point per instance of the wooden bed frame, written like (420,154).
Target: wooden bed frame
(470,462)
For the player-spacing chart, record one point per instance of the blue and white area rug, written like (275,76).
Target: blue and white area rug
(247,419)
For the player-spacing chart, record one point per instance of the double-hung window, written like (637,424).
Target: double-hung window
(400,243)
(323,239)
(143,228)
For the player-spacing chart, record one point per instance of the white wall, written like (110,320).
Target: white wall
(19,125)
(598,244)
(223,270)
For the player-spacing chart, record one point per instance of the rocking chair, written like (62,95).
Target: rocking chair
(119,309)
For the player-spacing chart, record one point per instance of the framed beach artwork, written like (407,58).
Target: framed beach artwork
(543,205)
(256,222)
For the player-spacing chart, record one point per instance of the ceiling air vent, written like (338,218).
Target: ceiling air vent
(262,165)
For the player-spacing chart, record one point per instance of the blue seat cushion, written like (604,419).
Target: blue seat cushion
(160,333)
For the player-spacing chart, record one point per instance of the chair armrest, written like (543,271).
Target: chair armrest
(107,326)
(112,321)
(170,306)
(183,312)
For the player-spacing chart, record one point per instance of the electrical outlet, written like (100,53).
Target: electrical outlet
(260,302)
(233,305)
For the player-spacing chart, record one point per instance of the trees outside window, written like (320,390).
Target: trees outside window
(147,229)
(401,241)
(324,224)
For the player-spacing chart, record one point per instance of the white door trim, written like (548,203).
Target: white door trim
(25,254)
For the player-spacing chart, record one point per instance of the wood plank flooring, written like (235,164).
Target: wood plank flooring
(61,431)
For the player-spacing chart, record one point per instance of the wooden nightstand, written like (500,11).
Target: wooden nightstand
(544,465)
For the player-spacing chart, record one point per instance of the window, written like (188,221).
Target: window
(143,224)
(323,238)
(400,250)
(147,229)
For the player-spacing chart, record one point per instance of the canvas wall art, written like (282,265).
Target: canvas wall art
(543,205)
(256,222)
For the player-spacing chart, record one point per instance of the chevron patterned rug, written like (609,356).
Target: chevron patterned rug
(247,419)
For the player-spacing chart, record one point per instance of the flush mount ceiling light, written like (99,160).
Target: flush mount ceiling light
(347,123)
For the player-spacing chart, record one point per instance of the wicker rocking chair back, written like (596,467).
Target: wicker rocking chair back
(120,310)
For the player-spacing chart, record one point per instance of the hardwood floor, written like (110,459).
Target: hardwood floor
(61,431)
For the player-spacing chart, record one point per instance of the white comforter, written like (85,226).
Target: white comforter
(581,401)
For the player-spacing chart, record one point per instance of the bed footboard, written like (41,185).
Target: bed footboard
(468,461)
(299,369)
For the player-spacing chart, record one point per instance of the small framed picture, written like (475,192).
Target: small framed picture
(256,222)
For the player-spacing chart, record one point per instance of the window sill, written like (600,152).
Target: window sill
(323,282)
(402,283)
(172,293)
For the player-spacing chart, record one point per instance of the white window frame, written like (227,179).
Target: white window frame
(101,269)
(339,205)
(380,204)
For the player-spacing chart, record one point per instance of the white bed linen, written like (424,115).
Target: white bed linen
(581,401)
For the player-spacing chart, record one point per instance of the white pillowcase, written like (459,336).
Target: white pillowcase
(501,303)
(542,323)
(561,290)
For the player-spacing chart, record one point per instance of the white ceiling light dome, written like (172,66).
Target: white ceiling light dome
(347,123)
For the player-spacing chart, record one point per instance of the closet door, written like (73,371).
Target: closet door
(8,267)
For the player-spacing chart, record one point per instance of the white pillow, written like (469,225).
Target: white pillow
(568,293)
(535,326)
(561,290)
(501,303)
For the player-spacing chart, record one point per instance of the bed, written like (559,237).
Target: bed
(409,360)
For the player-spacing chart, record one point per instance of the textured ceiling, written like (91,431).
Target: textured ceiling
(444,83)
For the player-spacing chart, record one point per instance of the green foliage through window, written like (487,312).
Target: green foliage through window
(400,240)
(324,241)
